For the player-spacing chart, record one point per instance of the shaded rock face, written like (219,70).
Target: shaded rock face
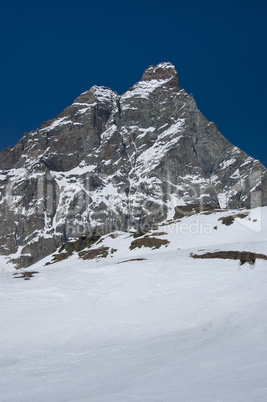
(111,162)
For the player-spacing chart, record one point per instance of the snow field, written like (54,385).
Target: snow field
(167,328)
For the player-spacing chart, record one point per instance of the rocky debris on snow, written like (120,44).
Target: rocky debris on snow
(26,275)
(242,256)
(229,220)
(67,249)
(146,241)
(101,252)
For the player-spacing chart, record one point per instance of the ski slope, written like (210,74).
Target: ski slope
(166,328)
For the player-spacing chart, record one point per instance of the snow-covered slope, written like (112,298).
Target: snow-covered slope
(161,326)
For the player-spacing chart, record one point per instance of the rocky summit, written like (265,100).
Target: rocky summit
(119,162)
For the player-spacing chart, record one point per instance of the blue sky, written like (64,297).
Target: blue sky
(51,51)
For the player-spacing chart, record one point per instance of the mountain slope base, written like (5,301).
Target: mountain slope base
(160,327)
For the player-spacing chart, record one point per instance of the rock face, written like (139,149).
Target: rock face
(111,162)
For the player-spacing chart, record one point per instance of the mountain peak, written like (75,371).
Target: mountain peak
(126,162)
(162,71)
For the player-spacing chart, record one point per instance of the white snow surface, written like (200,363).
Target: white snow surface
(58,122)
(143,89)
(166,328)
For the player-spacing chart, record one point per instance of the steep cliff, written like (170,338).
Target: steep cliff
(111,162)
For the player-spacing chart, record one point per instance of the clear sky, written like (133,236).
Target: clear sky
(51,51)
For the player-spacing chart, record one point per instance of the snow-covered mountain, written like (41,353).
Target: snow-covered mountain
(111,162)
(137,318)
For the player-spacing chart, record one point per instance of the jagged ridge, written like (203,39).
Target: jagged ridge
(118,162)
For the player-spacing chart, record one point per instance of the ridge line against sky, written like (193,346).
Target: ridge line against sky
(54,50)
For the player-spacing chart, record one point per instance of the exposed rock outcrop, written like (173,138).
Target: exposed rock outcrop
(117,162)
